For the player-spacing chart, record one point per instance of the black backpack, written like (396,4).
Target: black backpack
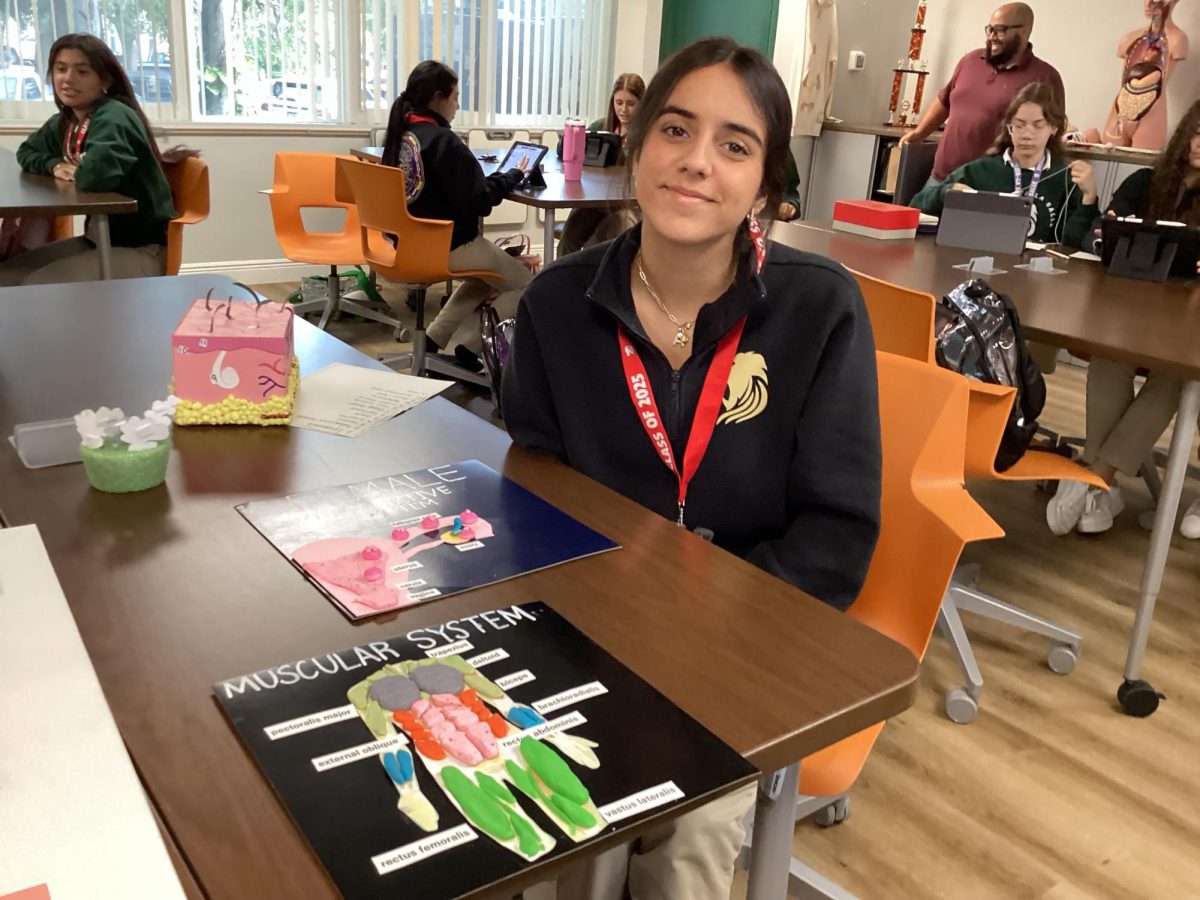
(979,334)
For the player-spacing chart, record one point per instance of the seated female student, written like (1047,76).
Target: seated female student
(99,139)
(585,227)
(443,180)
(1122,427)
(696,302)
(1026,159)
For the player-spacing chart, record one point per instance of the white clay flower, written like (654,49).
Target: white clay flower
(91,433)
(143,434)
(110,420)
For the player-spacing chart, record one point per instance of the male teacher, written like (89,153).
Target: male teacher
(972,104)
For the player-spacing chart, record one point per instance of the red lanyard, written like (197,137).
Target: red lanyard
(74,143)
(705,419)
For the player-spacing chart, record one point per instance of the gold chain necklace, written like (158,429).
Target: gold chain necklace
(681,328)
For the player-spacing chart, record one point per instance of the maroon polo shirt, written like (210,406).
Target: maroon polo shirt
(977,96)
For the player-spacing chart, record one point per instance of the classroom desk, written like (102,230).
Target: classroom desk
(1086,311)
(600,188)
(173,591)
(22,194)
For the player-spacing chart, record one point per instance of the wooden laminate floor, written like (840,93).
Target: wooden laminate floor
(1051,793)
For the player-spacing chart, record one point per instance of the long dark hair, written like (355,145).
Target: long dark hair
(1167,182)
(631,82)
(767,93)
(105,64)
(1047,98)
(428,80)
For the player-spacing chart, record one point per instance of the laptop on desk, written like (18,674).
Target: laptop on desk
(991,223)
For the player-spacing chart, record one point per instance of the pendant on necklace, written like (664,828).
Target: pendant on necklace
(681,337)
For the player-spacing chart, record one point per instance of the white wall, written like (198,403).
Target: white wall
(238,237)
(1078,37)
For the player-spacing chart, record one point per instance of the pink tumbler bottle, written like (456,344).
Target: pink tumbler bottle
(574,139)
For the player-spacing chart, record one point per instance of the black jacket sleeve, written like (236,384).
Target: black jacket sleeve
(525,393)
(1132,198)
(468,190)
(836,474)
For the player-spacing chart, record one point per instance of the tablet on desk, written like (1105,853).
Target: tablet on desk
(992,223)
(1151,251)
(522,150)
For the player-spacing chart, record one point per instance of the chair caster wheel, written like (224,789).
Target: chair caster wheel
(961,707)
(1138,698)
(1062,659)
(833,814)
(403,335)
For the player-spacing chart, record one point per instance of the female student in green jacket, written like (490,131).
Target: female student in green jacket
(585,227)
(99,139)
(1026,159)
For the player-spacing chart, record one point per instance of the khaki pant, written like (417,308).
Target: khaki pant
(690,857)
(1122,427)
(77,259)
(458,323)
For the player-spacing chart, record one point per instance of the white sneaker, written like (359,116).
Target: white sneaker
(1190,526)
(1099,510)
(1066,506)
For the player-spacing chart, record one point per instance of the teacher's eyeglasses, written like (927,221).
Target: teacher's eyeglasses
(999,30)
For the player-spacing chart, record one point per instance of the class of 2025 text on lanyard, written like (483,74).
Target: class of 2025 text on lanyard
(704,421)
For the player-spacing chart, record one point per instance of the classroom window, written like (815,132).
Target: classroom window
(273,60)
(136,30)
(529,62)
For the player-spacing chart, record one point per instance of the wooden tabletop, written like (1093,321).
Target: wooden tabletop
(598,189)
(1085,310)
(22,194)
(173,591)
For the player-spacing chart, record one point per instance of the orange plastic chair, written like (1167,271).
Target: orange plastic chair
(901,318)
(420,257)
(927,519)
(307,181)
(188,179)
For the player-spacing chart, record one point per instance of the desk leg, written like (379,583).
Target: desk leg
(548,237)
(1136,696)
(104,246)
(774,825)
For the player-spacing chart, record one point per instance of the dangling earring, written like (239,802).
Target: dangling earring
(759,239)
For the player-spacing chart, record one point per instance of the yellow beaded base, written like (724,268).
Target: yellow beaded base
(235,411)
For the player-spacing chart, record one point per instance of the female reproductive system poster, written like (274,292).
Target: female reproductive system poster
(441,761)
(390,542)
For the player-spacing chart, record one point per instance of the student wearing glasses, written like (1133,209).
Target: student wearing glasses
(1026,158)
(984,82)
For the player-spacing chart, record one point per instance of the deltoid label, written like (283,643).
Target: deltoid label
(311,721)
(354,754)
(524,676)
(566,698)
(554,726)
(449,649)
(491,656)
(422,849)
(659,795)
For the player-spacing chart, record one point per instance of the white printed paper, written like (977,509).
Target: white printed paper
(350,400)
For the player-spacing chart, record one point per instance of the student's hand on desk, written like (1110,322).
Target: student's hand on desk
(959,186)
(1084,176)
(65,171)
(787,212)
